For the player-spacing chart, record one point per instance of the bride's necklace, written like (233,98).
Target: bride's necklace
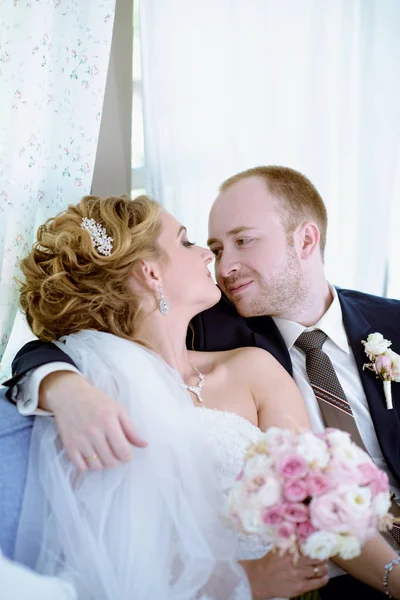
(196,389)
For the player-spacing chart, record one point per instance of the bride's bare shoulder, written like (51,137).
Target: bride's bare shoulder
(244,358)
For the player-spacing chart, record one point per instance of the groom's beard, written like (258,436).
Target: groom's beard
(282,294)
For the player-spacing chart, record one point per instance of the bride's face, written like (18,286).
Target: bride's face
(186,279)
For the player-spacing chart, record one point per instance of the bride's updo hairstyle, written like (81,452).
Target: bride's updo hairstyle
(70,285)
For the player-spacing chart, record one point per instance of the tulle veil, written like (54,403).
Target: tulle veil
(146,530)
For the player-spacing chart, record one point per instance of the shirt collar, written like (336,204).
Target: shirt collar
(331,323)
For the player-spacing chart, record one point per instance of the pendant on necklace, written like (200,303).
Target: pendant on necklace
(196,389)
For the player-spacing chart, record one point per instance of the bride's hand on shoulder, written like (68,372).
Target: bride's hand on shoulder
(95,430)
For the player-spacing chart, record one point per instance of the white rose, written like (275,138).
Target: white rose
(321,545)
(270,493)
(358,499)
(258,464)
(349,547)
(395,359)
(251,520)
(381,504)
(351,454)
(376,344)
(278,439)
(313,450)
(338,438)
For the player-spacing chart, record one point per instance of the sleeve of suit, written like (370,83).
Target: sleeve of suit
(31,356)
(26,393)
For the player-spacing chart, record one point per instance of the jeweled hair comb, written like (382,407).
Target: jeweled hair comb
(101,241)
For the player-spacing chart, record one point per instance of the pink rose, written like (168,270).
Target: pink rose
(330,513)
(382,364)
(273,516)
(340,473)
(286,530)
(292,467)
(286,538)
(295,512)
(304,530)
(317,484)
(295,490)
(368,471)
(374,478)
(379,484)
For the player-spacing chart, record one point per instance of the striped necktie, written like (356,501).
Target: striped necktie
(335,408)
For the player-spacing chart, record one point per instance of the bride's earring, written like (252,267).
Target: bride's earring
(163,304)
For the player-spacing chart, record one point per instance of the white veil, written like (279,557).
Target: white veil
(146,530)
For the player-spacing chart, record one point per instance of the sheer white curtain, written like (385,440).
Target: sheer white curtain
(309,84)
(53,66)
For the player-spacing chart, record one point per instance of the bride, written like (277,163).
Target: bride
(114,283)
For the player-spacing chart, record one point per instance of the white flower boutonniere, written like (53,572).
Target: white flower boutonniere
(384,363)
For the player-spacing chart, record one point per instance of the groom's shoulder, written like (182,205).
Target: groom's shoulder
(220,328)
(369,303)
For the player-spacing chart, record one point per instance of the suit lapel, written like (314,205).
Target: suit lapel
(386,422)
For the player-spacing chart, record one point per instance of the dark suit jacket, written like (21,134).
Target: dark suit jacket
(221,328)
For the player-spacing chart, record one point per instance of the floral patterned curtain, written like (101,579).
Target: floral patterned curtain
(54,58)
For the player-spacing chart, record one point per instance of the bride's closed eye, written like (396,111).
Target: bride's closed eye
(187,244)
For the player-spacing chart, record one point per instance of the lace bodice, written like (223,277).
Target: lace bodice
(228,436)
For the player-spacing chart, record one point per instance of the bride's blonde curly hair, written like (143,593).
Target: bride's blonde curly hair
(69,286)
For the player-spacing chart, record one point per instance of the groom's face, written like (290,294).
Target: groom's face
(256,262)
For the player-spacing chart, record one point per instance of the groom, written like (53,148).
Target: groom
(267,231)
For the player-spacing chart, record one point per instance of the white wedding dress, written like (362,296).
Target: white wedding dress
(228,436)
(150,529)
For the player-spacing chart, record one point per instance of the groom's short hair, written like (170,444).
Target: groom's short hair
(299,198)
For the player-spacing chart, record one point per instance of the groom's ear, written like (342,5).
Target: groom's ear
(146,274)
(308,239)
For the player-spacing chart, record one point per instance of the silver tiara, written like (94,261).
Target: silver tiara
(101,241)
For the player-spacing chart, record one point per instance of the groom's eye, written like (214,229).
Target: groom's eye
(242,241)
(216,251)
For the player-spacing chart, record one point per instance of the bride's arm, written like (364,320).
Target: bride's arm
(369,567)
(90,423)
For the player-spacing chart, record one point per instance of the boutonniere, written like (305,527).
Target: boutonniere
(384,363)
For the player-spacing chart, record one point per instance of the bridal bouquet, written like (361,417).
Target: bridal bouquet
(318,495)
